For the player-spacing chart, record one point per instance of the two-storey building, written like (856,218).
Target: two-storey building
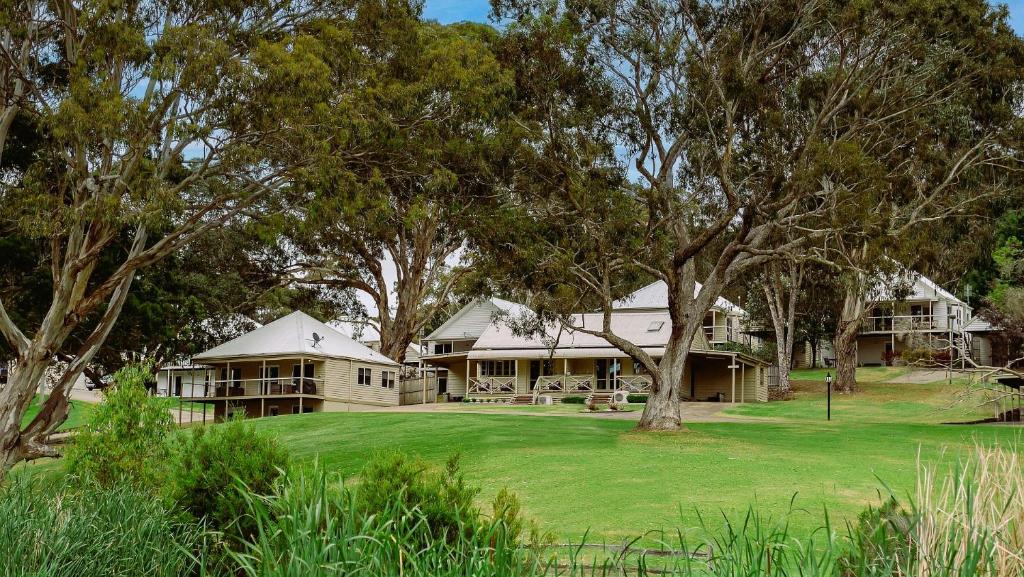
(478,355)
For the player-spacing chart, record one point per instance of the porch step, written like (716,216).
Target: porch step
(522,400)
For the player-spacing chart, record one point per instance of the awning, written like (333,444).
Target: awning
(599,353)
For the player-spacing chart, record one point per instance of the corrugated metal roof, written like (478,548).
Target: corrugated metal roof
(642,328)
(292,335)
(473,319)
(655,296)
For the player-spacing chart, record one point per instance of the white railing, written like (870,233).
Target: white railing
(550,384)
(251,388)
(492,385)
(903,323)
(633,383)
(719,333)
(564,384)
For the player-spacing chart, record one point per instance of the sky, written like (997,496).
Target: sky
(446,11)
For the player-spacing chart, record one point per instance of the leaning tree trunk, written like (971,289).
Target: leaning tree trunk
(14,403)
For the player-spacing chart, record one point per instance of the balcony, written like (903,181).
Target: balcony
(633,383)
(719,334)
(565,384)
(272,387)
(492,386)
(903,323)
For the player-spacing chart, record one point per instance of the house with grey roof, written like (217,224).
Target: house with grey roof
(481,356)
(295,364)
(910,312)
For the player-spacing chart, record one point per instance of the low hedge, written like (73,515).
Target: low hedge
(636,399)
(574,400)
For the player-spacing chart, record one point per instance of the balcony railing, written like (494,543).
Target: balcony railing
(719,334)
(633,383)
(252,388)
(564,384)
(492,386)
(903,323)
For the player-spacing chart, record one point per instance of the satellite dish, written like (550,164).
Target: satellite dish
(317,339)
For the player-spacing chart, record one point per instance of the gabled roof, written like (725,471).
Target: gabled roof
(292,335)
(979,325)
(474,318)
(649,330)
(655,296)
(922,288)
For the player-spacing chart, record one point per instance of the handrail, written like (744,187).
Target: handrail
(266,387)
(904,323)
(719,333)
(491,385)
(634,383)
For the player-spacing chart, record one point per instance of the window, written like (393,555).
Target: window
(307,373)
(442,348)
(442,381)
(387,379)
(270,374)
(236,376)
(364,376)
(497,368)
(655,326)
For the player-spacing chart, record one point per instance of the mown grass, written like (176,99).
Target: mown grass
(576,474)
(77,415)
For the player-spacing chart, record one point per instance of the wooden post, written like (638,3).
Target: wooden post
(743,383)
(227,387)
(423,378)
(204,413)
(467,375)
(263,380)
(732,367)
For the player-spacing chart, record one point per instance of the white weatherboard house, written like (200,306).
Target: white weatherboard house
(478,356)
(295,364)
(928,316)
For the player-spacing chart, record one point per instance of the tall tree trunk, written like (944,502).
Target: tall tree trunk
(845,342)
(661,413)
(814,353)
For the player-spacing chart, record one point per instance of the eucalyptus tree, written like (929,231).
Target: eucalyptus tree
(749,126)
(390,221)
(159,121)
(936,164)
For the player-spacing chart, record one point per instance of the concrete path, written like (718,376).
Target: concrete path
(922,376)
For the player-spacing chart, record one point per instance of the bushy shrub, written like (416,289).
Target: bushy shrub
(574,400)
(312,525)
(65,530)
(881,537)
(442,496)
(125,438)
(636,398)
(213,468)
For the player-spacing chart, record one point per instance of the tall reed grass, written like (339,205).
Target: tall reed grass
(61,530)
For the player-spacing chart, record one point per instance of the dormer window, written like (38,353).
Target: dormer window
(655,326)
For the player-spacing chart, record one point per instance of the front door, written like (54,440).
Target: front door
(606,371)
(534,373)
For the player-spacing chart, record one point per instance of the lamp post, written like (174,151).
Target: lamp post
(828,386)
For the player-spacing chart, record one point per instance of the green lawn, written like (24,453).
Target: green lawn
(576,473)
(77,415)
